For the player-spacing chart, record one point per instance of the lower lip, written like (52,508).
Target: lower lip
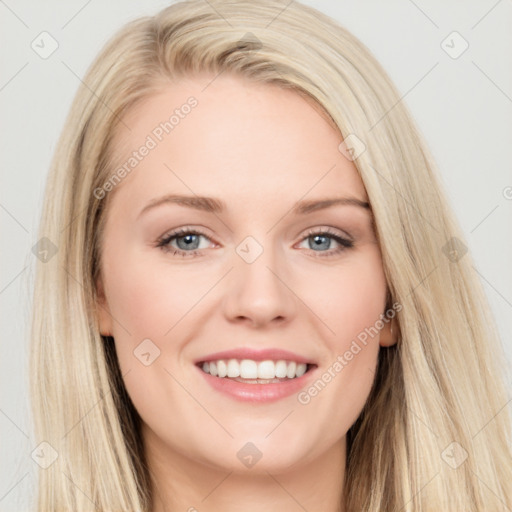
(257,392)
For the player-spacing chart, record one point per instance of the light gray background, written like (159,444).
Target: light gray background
(463,106)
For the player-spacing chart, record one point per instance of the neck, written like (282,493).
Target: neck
(186,485)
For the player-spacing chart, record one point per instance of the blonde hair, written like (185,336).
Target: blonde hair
(442,383)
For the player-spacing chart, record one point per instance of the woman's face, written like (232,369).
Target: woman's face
(263,265)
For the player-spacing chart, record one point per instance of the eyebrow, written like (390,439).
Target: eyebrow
(213,205)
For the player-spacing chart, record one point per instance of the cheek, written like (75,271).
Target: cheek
(351,298)
(148,299)
(350,303)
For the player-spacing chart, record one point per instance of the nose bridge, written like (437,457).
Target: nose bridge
(257,289)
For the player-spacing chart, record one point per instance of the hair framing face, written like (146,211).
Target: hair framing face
(445,370)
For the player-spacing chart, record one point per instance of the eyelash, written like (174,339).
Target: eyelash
(163,243)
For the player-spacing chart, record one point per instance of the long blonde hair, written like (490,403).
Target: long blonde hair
(434,433)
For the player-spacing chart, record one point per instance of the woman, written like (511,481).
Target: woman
(260,298)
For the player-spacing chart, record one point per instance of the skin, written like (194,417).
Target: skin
(259,149)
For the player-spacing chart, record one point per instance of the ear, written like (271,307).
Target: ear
(388,334)
(102,309)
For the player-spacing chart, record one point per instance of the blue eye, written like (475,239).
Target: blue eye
(186,242)
(322,240)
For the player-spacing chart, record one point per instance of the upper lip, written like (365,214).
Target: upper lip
(274,354)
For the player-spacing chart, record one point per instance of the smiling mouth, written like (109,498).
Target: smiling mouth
(249,371)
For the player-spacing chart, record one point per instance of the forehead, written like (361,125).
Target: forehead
(208,135)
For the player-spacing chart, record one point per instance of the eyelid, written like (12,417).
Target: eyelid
(330,230)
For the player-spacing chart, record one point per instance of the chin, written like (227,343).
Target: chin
(255,457)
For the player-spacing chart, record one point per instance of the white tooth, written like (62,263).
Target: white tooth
(291,370)
(248,369)
(221,368)
(301,369)
(266,370)
(281,369)
(233,368)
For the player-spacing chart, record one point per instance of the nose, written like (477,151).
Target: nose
(259,293)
